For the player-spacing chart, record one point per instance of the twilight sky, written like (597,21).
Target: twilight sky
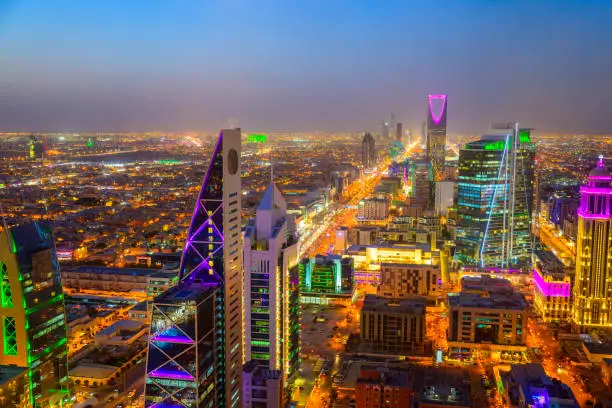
(180,65)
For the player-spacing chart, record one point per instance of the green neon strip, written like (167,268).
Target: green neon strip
(42,305)
(10,336)
(524,136)
(13,245)
(258,138)
(59,343)
(5,287)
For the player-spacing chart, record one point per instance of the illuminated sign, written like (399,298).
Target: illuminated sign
(258,138)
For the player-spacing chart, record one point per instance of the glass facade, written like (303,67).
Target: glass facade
(195,354)
(181,358)
(495,202)
(33,313)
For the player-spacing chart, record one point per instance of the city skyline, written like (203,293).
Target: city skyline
(302,68)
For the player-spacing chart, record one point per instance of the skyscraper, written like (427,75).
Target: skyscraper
(592,291)
(436,134)
(385,131)
(399,132)
(271,283)
(368,151)
(495,200)
(195,343)
(33,313)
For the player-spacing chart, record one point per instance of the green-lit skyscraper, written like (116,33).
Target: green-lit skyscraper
(33,314)
(495,200)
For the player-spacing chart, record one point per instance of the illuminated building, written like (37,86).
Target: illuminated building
(398,280)
(373,209)
(592,291)
(393,326)
(109,281)
(195,343)
(495,200)
(445,196)
(487,315)
(33,314)
(35,148)
(271,288)
(376,388)
(262,387)
(368,151)
(325,278)
(527,385)
(436,140)
(552,288)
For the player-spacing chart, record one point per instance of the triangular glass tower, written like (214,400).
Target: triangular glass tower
(195,342)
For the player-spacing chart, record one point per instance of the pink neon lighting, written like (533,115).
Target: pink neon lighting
(596,190)
(582,213)
(555,288)
(600,162)
(436,118)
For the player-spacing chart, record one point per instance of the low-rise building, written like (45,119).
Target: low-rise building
(492,321)
(373,209)
(389,388)
(394,327)
(129,281)
(527,385)
(400,280)
(325,279)
(552,288)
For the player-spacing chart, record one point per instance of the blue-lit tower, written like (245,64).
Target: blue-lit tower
(195,344)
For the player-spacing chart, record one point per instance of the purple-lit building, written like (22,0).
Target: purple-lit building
(592,292)
(527,385)
(195,344)
(552,288)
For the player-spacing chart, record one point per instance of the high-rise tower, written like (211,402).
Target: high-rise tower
(33,313)
(592,290)
(195,343)
(368,151)
(271,283)
(436,140)
(495,200)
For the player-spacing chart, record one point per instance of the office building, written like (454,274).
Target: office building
(33,315)
(262,387)
(386,131)
(592,291)
(495,201)
(271,292)
(419,180)
(377,387)
(528,385)
(398,281)
(412,386)
(393,326)
(445,196)
(487,316)
(436,140)
(373,209)
(36,148)
(368,151)
(326,278)
(552,288)
(195,352)
(399,132)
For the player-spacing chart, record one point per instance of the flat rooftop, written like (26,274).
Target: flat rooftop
(102,270)
(501,301)
(187,292)
(373,303)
